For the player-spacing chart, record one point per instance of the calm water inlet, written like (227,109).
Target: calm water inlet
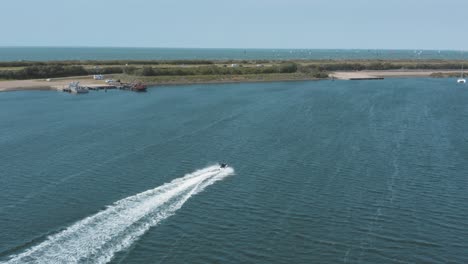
(322,172)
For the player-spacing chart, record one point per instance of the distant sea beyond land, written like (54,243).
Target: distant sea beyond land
(113,53)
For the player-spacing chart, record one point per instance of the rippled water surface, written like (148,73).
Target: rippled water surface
(103,53)
(322,172)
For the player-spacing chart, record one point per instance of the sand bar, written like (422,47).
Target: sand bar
(348,75)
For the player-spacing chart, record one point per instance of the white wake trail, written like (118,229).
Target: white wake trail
(97,238)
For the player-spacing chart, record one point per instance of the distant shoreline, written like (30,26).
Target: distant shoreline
(57,83)
(22,75)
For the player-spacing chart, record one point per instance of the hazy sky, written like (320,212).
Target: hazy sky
(393,24)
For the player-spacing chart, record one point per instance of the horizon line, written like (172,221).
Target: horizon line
(218,48)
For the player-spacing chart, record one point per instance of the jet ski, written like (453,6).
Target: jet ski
(223,165)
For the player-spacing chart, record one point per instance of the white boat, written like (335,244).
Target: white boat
(76,88)
(461,80)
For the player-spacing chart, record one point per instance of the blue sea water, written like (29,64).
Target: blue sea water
(95,53)
(322,172)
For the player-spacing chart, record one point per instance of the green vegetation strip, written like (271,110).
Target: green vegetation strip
(19,70)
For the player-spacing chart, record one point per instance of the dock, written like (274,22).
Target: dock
(365,78)
(96,87)
(93,87)
(73,87)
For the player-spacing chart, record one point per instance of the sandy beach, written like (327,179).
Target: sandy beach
(348,75)
(41,84)
(24,85)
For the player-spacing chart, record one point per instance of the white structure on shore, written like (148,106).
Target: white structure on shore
(76,88)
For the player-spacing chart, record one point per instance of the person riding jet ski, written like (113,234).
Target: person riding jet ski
(223,165)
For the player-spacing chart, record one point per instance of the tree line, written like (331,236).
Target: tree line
(201,67)
(53,71)
(210,70)
(315,69)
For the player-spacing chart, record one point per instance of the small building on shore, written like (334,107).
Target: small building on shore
(98,77)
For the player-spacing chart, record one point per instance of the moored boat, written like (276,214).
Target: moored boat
(138,87)
(461,80)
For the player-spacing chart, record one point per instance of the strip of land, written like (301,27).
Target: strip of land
(55,75)
(88,81)
(60,83)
